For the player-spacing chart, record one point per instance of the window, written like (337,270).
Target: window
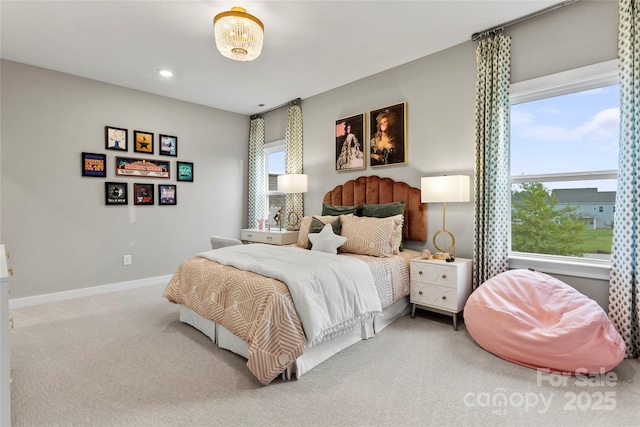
(564,161)
(274,166)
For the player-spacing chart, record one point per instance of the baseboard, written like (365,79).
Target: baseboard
(93,290)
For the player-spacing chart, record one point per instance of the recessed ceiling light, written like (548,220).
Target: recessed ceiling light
(165,73)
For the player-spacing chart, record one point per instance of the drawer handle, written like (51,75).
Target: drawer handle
(444,276)
(10,270)
(269,238)
(249,235)
(444,297)
(420,272)
(420,293)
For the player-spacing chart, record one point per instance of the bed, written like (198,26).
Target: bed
(237,295)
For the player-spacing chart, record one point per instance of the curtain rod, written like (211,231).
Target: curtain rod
(286,104)
(491,31)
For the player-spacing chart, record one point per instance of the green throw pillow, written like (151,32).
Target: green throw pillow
(385,210)
(328,209)
(316,226)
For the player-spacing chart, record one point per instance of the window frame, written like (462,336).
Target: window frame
(576,80)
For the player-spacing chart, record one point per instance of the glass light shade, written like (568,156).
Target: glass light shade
(239,36)
(292,183)
(439,189)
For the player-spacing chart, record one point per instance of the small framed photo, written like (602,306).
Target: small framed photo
(143,194)
(168,145)
(93,164)
(143,142)
(388,135)
(116,138)
(185,171)
(115,193)
(350,143)
(167,194)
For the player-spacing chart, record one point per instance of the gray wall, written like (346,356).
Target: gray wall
(63,237)
(54,222)
(440,93)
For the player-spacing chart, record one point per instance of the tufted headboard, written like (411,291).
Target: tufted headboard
(373,189)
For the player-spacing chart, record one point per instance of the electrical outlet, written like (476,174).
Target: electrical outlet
(126,260)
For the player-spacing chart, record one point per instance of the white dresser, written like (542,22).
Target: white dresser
(440,286)
(5,366)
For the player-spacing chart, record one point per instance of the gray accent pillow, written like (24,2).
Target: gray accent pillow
(316,226)
(328,209)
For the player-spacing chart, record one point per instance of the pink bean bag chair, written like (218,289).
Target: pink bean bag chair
(538,321)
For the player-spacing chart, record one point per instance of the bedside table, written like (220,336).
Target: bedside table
(440,286)
(272,237)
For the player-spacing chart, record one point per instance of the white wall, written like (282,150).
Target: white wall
(54,222)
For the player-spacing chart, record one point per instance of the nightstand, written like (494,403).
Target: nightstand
(272,237)
(440,286)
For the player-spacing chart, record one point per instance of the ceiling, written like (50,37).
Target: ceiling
(310,46)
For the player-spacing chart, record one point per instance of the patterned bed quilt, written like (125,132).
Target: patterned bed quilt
(258,307)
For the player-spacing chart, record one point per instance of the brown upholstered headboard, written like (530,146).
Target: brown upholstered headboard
(373,189)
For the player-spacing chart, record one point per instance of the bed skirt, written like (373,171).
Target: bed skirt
(312,356)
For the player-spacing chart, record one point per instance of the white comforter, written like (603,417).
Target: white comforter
(331,293)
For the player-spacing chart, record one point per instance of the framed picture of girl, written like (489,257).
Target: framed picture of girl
(350,143)
(388,135)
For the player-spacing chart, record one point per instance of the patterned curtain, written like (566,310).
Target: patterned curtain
(257,185)
(293,154)
(492,190)
(625,255)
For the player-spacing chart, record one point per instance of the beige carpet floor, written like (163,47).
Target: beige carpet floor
(124,359)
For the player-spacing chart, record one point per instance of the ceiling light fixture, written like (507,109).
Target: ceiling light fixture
(239,36)
(165,73)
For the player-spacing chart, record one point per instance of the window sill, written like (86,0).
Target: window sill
(592,268)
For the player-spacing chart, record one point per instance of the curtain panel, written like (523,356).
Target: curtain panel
(625,254)
(293,156)
(492,189)
(256,205)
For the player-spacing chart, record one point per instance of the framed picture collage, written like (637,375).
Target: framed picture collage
(145,167)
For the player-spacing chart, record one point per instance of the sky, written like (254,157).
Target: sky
(577,132)
(276,163)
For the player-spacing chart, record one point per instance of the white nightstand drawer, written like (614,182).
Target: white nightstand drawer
(441,275)
(435,296)
(270,237)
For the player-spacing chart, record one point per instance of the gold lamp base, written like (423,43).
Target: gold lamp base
(294,224)
(442,253)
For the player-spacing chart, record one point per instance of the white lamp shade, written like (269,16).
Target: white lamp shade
(450,188)
(292,183)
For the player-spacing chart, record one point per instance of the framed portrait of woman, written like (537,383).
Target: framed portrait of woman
(388,136)
(350,143)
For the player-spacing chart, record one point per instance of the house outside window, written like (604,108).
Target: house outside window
(564,152)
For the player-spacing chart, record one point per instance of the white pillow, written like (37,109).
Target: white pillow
(326,240)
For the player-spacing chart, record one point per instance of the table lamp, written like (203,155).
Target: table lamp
(293,183)
(443,189)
